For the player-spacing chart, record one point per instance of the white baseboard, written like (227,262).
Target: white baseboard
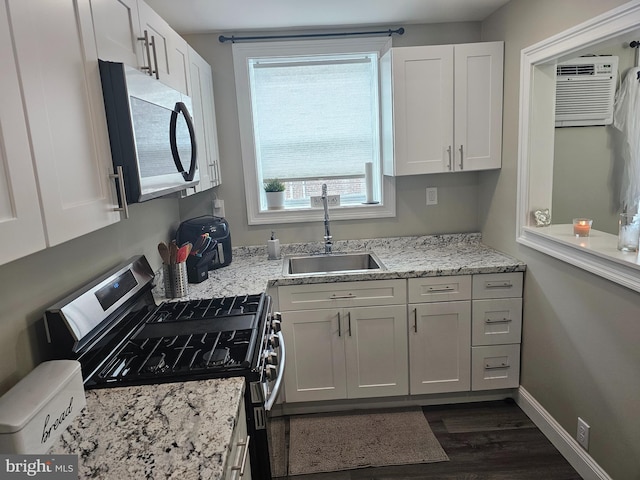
(565,443)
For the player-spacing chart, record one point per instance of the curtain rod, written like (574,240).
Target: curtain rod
(233,39)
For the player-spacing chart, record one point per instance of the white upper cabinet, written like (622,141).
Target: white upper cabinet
(117,28)
(21,229)
(129,31)
(442,108)
(65,122)
(204,120)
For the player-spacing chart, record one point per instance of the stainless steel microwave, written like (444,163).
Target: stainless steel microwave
(150,132)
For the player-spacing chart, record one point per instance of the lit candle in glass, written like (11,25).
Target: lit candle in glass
(582,227)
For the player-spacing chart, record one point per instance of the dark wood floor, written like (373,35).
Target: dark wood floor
(488,440)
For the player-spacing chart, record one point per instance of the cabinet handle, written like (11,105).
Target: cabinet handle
(339,327)
(243,465)
(337,297)
(145,39)
(505,284)
(349,320)
(496,367)
(461,158)
(415,320)
(449,152)
(498,320)
(445,288)
(119,176)
(155,57)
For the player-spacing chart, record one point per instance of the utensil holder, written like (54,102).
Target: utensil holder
(175,280)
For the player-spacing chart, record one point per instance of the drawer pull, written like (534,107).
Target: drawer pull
(498,320)
(504,284)
(445,288)
(243,465)
(336,297)
(495,367)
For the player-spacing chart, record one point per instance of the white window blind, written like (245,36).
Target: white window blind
(314,117)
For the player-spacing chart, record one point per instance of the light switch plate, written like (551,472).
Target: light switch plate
(432,195)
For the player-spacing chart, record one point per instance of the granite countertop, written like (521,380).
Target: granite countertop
(404,257)
(183,430)
(173,430)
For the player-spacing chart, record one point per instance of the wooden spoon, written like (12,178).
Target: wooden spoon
(173,252)
(163,250)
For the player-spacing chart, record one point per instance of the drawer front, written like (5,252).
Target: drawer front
(440,289)
(495,367)
(342,294)
(496,321)
(497,285)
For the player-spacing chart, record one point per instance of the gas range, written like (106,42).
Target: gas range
(121,337)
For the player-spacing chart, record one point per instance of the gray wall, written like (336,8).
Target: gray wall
(31,284)
(457,210)
(581,334)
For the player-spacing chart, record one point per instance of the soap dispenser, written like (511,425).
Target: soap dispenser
(273,247)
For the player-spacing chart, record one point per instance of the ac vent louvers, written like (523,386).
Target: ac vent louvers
(585,91)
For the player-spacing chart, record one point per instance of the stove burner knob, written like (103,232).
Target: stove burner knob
(270,372)
(271,357)
(276,323)
(274,341)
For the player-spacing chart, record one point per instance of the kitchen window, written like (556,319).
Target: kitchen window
(309,113)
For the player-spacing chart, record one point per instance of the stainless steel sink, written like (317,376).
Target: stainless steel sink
(331,263)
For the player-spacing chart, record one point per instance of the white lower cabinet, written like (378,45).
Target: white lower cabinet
(345,352)
(496,331)
(359,340)
(238,464)
(440,347)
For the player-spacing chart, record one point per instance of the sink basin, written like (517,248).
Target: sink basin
(331,263)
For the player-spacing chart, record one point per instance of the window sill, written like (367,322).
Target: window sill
(351,212)
(597,253)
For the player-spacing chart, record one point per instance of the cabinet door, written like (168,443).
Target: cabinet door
(204,120)
(237,448)
(439,347)
(315,368)
(171,58)
(58,66)
(423,109)
(21,229)
(117,29)
(478,105)
(376,351)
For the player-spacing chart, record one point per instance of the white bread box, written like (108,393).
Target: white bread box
(40,407)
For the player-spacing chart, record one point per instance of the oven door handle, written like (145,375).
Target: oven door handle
(276,387)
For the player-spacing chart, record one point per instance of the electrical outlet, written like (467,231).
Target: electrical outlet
(583,433)
(332,201)
(218,207)
(432,196)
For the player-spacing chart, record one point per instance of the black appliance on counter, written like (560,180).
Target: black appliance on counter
(216,255)
(114,328)
(151,133)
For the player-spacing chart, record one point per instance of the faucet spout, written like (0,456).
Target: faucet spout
(328,244)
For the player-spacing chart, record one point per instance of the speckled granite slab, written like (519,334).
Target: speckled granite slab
(173,430)
(404,257)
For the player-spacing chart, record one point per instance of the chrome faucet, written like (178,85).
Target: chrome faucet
(327,232)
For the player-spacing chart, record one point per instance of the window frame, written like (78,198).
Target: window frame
(241,53)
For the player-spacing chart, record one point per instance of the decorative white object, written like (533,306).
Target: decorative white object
(368,180)
(40,407)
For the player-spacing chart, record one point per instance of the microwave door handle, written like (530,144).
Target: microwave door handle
(181,108)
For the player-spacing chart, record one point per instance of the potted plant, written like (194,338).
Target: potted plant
(274,190)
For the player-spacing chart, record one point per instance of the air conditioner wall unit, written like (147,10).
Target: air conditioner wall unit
(585,91)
